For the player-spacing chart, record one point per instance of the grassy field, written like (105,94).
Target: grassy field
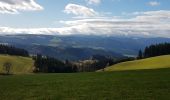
(20,65)
(149,63)
(125,85)
(149,84)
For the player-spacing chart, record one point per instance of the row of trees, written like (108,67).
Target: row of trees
(47,64)
(7,49)
(52,65)
(155,50)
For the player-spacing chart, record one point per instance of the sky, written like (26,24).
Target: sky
(146,18)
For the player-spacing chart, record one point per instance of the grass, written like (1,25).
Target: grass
(150,84)
(149,63)
(119,85)
(20,65)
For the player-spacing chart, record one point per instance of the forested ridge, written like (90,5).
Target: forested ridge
(11,50)
(46,64)
(155,50)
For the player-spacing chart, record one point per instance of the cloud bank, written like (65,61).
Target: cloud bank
(87,21)
(150,24)
(14,6)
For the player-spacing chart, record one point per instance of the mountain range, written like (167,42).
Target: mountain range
(80,47)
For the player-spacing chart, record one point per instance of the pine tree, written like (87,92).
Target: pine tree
(140,54)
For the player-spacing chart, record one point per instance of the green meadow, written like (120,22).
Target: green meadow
(148,63)
(119,85)
(20,65)
(148,84)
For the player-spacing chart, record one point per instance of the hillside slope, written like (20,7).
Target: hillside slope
(19,64)
(149,63)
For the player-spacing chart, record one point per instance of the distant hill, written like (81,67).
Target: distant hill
(149,63)
(20,65)
(70,53)
(62,47)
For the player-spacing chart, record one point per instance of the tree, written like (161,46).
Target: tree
(140,54)
(157,50)
(7,67)
(10,50)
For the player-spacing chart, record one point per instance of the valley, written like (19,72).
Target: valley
(80,47)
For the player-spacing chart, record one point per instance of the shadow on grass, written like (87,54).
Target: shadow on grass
(4,74)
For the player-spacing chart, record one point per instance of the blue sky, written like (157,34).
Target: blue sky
(120,17)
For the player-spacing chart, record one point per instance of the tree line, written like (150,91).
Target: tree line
(11,50)
(154,50)
(47,64)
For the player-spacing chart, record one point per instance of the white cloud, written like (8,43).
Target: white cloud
(14,6)
(161,16)
(154,3)
(150,24)
(80,10)
(93,1)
